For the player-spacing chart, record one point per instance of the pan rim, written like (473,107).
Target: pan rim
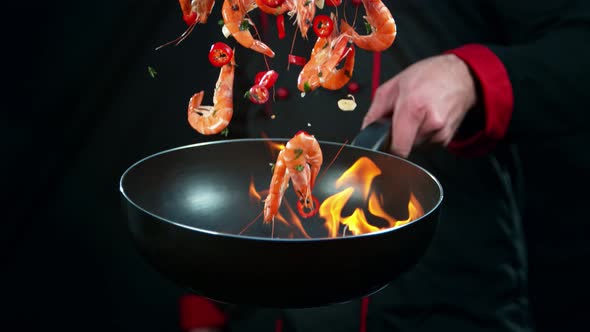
(259,238)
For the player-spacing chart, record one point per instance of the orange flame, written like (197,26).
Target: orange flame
(360,174)
(359,177)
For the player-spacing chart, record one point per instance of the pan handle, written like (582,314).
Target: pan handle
(375,136)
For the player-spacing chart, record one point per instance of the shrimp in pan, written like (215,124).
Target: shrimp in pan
(300,162)
(234,18)
(383,28)
(209,120)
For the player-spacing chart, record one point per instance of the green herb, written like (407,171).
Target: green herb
(307,3)
(220,22)
(368,27)
(224,132)
(299,168)
(244,25)
(306,87)
(325,45)
(272,167)
(247,94)
(214,112)
(152,71)
(298,153)
(320,74)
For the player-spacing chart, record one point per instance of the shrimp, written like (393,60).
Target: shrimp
(383,28)
(278,184)
(234,13)
(209,120)
(200,8)
(337,78)
(325,56)
(305,12)
(301,160)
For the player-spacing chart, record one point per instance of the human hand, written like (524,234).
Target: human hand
(427,102)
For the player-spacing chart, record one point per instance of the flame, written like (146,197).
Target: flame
(360,174)
(272,146)
(376,209)
(330,210)
(359,177)
(415,211)
(252,192)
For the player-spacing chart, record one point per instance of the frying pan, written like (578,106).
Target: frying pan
(191,217)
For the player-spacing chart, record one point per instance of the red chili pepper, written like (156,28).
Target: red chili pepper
(301,132)
(266,78)
(353,87)
(294,59)
(281,26)
(258,94)
(333,3)
(356,2)
(316,207)
(282,93)
(190,19)
(273,3)
(323,25)
(220,54)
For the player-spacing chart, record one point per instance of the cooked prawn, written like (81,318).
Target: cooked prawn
(325,56)
(301,160)
(383,28)
(278,184)
(201,8)
(234,17)
(209,120)
(304,11)
(337,78)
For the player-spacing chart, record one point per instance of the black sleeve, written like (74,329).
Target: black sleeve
(547,57)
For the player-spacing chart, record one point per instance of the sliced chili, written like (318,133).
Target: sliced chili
(333,3)
(220,54)
(323,25)
(266,78)
(281,26)
(273,3)
(297,60)
(311,213)
(190,19)
(258,94)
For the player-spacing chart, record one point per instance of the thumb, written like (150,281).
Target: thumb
(383,102)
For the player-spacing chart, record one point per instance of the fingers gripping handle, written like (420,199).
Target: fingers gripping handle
(376,136)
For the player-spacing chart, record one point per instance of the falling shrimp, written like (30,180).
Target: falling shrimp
(304,11)
(338,77)
(325,56)
(196,11)
(209,120)
(301,161)
(234,17)
(383,28)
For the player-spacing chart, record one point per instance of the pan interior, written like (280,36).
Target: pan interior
(206,186)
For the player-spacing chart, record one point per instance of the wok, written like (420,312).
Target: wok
(187,206)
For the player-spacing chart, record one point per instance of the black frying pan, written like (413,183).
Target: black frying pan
(187,206)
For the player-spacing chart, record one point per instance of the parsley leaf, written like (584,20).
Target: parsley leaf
(152,71)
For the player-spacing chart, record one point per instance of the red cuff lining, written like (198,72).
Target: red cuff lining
(196,312)
(497,98)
